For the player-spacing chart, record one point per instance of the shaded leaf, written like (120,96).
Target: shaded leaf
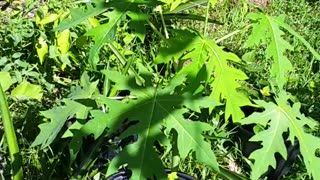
(85,90)
(154,107)
(58,117)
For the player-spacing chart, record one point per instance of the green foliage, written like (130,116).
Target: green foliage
(160,106)
(278,119)
(166,76)
(205,52)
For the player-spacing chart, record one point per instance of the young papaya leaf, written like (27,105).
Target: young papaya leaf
(207,59)
(80,14)
(154,108)
(58,116)
(85,90)
(102,34)
(26,90)
(225,83)
(266,30)
(278,119)
(191,46)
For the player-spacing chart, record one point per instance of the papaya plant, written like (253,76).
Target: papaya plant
(188,74)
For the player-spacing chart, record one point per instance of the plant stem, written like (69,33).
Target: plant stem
(175,153)
(206,20)
(233,33)
(123,62)
(157,32)
(164,24)
(16,159)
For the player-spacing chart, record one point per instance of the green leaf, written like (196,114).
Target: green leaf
(49,19)
(290,30)
(102,34)
(266,30)
(42,49)
(154,107)
(76,140)
(280,118)
(85,90)
(105,33)
(78,15)
(5,80)
(207,59)
(63,41)
(58,117)
(25,90)
(226,81)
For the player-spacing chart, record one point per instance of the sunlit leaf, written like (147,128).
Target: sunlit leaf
(78,15)
(42,49)
(63,41)
(57,117)
(266,30)
(49,19)
(5,80)
(25,90)
(280,118)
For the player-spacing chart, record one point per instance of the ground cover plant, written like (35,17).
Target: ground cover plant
(215,89)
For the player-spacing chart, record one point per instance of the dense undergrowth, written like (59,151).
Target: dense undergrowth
(215,89)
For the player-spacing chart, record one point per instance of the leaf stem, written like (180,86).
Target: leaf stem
(16,159)
(157,32)
(130,70)
(233,33)
(206,20)
(164,24)
(175,153)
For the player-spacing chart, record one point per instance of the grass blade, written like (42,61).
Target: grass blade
(16,159)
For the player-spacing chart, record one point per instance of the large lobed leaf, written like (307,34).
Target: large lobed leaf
(280,118)
(58,117)
(205,53)
(154,108)
(266,30)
